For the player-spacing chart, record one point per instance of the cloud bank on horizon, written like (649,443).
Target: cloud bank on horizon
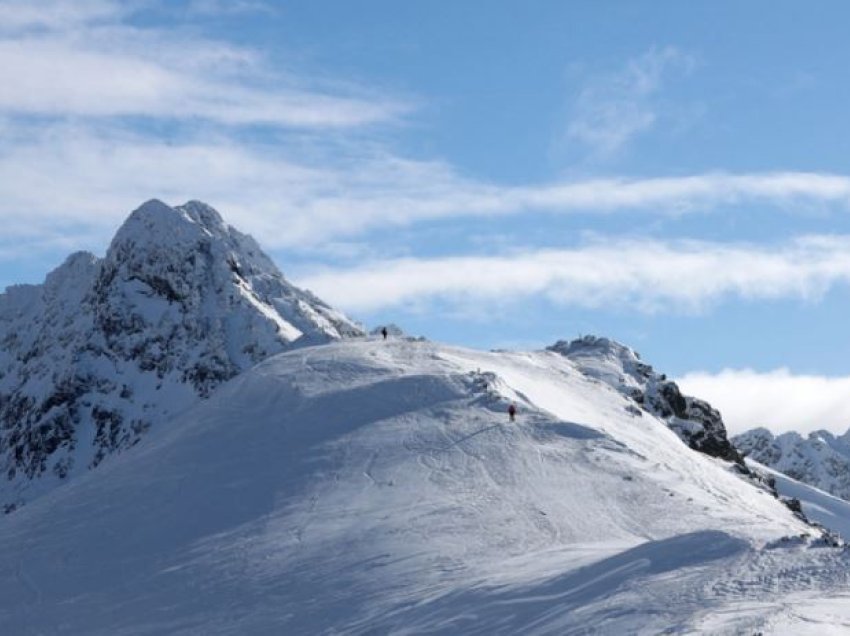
(776,399)
(641,191)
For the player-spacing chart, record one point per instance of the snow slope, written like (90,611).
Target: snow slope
(107,348)
(377,487)
(828,510)
(821,459)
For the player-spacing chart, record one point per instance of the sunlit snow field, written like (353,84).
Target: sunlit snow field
(378,487)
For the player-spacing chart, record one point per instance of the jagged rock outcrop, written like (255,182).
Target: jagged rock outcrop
(698,424)
(821,459)
(106,348)
(695,421)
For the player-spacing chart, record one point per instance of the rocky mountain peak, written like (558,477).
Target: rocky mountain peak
(156,229)
(608,360)
(204,215)
(595,346)
(156,222)
(107,348)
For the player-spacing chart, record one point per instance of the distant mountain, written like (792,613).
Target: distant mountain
(821,459)
(378,487)
(107,348)
(818,506)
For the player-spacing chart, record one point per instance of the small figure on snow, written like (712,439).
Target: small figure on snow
(512,412)
(384,332)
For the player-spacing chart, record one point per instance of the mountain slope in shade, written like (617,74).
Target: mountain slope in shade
(366,486)
(821,459)
(106,348)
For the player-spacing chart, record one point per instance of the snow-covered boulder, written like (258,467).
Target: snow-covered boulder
(106,348)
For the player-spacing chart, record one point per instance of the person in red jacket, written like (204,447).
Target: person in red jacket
(512,412)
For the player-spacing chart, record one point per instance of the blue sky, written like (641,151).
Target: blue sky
(494,174)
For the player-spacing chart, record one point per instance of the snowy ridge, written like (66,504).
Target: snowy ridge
(821,460)
(366,486)
(106,348)
(695,421)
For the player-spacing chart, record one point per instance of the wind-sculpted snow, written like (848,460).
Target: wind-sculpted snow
(566,604)
(107,348)
(372,486)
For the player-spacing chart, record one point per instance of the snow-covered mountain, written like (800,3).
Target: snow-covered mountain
(371,486)
(821,459)
(106,348)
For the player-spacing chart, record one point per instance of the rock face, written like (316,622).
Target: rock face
(821,459)
(698,424)
(107,348)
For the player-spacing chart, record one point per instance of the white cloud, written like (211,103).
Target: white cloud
(778,400)
(17,15)
(647,275)
(67,175)
(227,7)
(387,191)
(88,61)
(613,109)
(73,177)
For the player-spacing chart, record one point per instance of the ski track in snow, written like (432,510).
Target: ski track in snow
(373,487)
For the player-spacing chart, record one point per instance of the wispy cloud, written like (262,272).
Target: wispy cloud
(87,60)
(612,109)
(64,177)
(71,164)
(23,15)
(98,113)
(647,275)
(227,7)
(778,400)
